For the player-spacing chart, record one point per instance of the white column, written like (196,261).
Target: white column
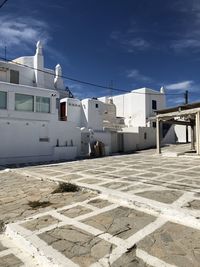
(158,139)
(198,133)
(192,137)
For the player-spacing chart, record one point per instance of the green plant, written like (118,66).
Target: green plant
(39,204)
(66,187)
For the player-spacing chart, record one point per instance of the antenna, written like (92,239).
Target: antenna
(2,4)
(5,52)
(111,87)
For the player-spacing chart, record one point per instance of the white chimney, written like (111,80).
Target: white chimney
(39,65)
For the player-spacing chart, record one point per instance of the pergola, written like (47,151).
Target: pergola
(188,115)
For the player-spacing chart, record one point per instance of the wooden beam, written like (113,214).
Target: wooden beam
(178,122)
(178,113)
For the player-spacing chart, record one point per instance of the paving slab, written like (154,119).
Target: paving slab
(175,244)
(77,245)
(10,260)
(40,223)
(165,196)
(99,203)
(129,259)
(75,211)
(16,192)
(121,222)
(2,247)
(194,181)
(194,204)
(146,212)
(136,187)
(90,181)
(115,185)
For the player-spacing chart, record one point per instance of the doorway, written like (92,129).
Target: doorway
(63,116)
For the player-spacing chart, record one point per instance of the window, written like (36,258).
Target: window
(96,105)
(145,136)
(3,100)
(14,76)
(24,102)
(57,103)
(45,139)
(154,124)
(154,104)
(42,104)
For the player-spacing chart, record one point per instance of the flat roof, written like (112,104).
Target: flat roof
(179,108)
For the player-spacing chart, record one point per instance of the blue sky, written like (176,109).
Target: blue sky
(134,43)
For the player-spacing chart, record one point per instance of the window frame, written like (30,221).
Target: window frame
(6,100)
(14,72)
(154,124)
(22,110)
(36,102)
(154,105)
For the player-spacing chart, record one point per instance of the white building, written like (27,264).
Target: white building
(123,123)
(37,123)
(96,119)
(138,106)
(30,128)
(137,109)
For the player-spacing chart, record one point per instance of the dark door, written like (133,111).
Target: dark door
(120,141)
(63,111)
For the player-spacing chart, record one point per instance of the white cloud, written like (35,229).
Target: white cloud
(131,40)
(185,44)
(79,90)
(135,44)
(189,38)
(82,91)
(135,74)
(115,35)
(22,31)
(184,85)
(176,101)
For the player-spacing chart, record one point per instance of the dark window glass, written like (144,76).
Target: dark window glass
(42,104)
(3,100)
(14,76)
(97,105)
(154,104)
(24,102)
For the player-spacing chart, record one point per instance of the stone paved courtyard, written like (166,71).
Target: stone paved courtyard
(136,210)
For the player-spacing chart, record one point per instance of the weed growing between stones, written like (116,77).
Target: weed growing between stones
(66,187)
(2,226)
(39,204)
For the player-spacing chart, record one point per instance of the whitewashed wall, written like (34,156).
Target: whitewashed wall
(74,110)
(180,132)
(104,137)
(153,95)
(11,89)
(26,75)
(92,114)
(134,138)
(136,107)
(22,140)
(32,136)
(131,107)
